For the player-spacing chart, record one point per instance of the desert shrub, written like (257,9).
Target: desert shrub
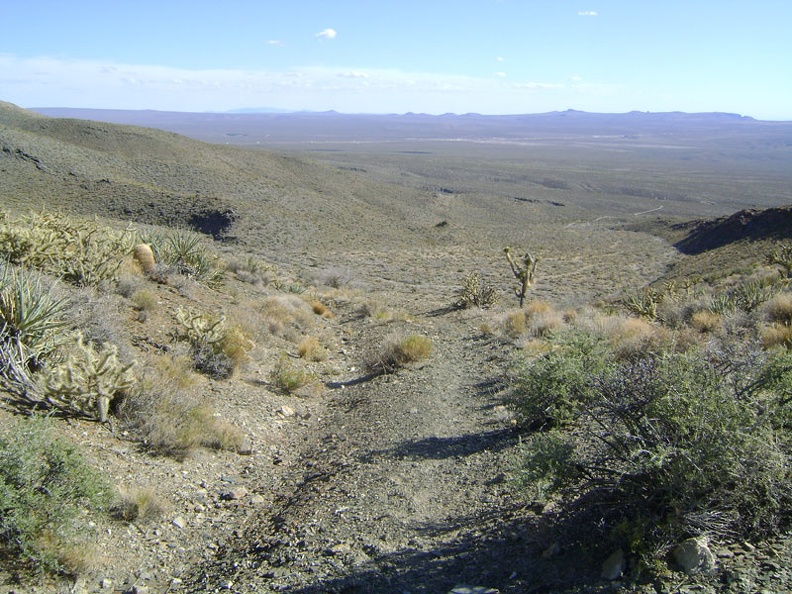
(779,309)
(47,497)
(291,377)
(217,348)
(144,300)
(82,252)
(172,421)
(473,292)
(397,351)
(138,504)
(549,391)
(309,348)
(662,448)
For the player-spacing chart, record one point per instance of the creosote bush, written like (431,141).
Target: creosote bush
(48,496)
(647,451)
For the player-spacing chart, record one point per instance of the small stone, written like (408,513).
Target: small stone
(257,499)
(245,447)
(106,584)
(234,494)
(140,590)
(179,522)
(614,566)
(287,411)
(694,555)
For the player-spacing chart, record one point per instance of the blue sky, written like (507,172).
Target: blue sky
(430,56)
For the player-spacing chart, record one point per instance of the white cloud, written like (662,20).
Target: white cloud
(500,59)
(588,13)
(277,42)
(326,34)
(500,74)
(48,82)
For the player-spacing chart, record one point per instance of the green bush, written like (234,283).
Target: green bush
(48,496)
(649,452)
(549,391)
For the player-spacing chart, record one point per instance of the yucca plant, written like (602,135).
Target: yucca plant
(30,316)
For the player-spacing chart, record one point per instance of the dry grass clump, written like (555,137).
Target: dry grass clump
(776,335)
(174,421)
(397,351)
(779,309)
(537,318)
(310,349)
(629,337)
(706,321)
(139,504)
(320,309)
(286,316)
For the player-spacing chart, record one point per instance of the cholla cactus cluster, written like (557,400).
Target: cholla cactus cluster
(475,293)
(86,380)
(201,328)
(82,252)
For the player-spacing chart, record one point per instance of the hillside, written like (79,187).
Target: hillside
(328,385)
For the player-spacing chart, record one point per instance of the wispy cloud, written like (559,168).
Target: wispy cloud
(326,34)
(587,13)
(277,42)
(49,82)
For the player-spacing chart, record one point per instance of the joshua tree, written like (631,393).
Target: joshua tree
(524,272)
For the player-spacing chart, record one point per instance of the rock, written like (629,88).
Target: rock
(106,584)
(694,555)
(473,590)
(234,494)
(140,590)
(179,522)
(245,447)
(287,411)
(614,566)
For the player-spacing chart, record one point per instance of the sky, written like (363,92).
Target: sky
(399,56)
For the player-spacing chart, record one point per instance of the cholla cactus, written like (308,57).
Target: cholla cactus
(82,252)
(475,293)
(87,380)
(200,328)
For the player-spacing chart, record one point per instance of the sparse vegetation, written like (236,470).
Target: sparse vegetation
(476,293)
(47,495)
(397,351)
(644,419)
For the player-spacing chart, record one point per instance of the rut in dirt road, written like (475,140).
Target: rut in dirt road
(401,490)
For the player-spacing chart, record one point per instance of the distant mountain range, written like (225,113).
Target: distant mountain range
(250,126)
